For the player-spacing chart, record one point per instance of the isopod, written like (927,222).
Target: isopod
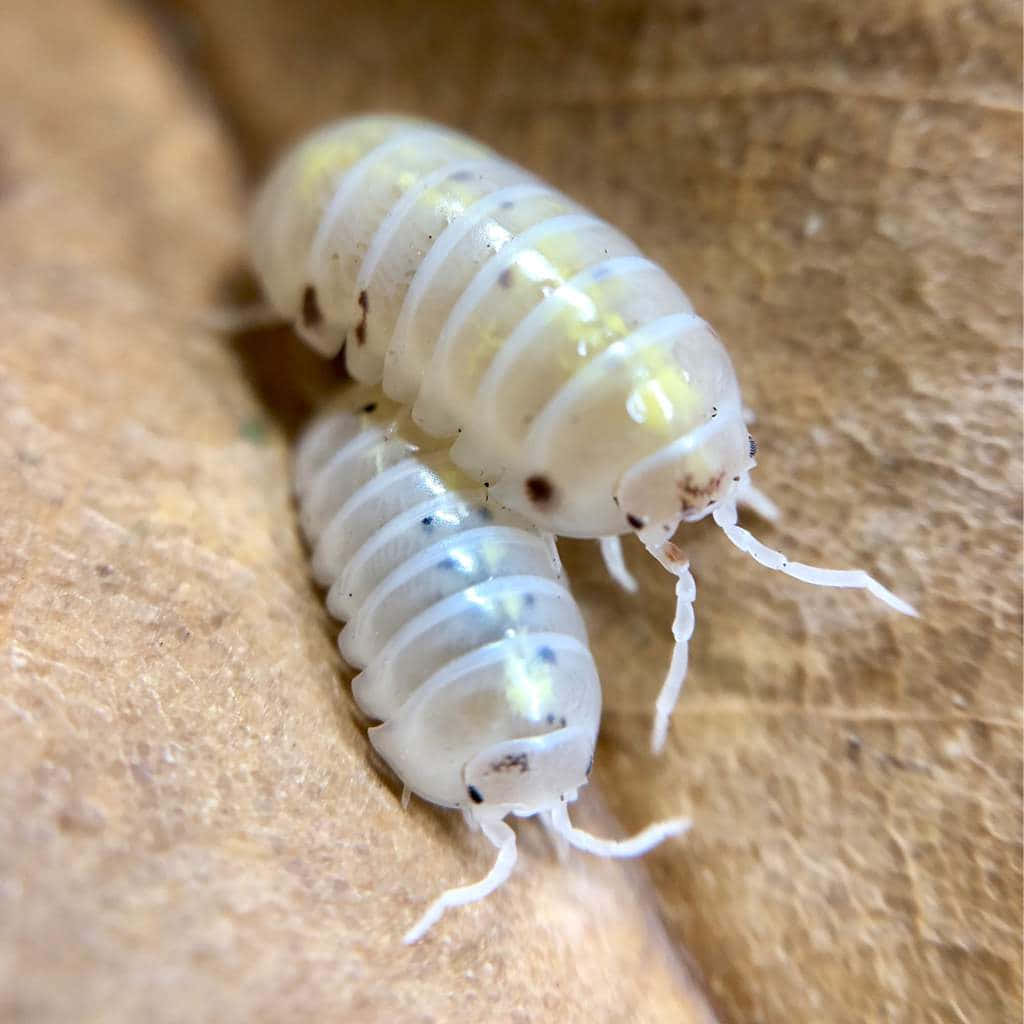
(473,652)
(561,366)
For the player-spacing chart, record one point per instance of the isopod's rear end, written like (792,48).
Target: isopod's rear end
(289,209)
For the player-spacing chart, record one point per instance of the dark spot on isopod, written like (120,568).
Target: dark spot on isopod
(311,315)
(485,513)
(505,278)
(462,176)
(448,563)
(548,655)
(427,520)
(529,600)
(753,446)
(539,489)
(508,204)
(475,795)
(364,305)
(370,407)
(510,761)
(694,495)
(635,521)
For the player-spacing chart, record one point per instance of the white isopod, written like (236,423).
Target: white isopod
(566,370)
(473,652)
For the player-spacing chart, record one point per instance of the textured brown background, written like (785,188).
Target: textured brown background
(189,825)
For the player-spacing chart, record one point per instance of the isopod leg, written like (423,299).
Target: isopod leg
(725,517)
(255,316)
(558,841)
(611,552)
(551,543)
(749,496)
(682,630)
(634,846)
(505,840)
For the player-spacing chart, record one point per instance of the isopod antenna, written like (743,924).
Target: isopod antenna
(634,846)
(682,629)
(725,516)
(505,840)
(857,579)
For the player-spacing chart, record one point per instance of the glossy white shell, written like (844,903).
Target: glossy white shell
(469,641)
(558,365)
(529,332)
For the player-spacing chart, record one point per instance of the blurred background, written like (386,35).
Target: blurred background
(190,827)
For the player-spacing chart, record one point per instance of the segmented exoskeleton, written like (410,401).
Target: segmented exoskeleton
(564,370)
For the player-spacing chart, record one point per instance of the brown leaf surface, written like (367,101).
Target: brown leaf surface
(189,827)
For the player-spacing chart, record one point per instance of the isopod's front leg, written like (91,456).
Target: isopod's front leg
(749,496)
(558,841)
(611,552)
(551,543)
(254,316)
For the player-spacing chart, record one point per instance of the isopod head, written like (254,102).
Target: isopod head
(531,774)
(695,470)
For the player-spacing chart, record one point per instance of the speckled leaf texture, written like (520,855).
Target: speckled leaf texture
(191,828)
